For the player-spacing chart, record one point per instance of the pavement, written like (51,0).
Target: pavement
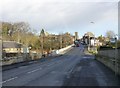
(74,68)
(89,72)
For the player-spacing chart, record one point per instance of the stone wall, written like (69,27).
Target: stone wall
(32,56)
(110,58)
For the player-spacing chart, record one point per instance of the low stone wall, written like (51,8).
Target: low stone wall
(32,56)
(12,60)
(108,57)
(64,50)
(35,56)
(61,51)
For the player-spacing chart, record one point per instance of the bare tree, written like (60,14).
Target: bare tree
(110,34)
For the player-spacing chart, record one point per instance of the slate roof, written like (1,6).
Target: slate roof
(11,44)
(89,34)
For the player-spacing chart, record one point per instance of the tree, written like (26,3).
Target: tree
(10,31)
(21,30)
(42,35)
(110,34)
(5,30)
(100,38)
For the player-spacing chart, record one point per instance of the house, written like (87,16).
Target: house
(88,37)
(11,48)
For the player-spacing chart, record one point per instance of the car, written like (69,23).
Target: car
(77,45)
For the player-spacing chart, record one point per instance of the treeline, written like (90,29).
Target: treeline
(19,32)
(22,33)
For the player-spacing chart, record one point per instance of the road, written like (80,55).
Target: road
(73,68)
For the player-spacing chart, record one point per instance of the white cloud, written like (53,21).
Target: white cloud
(59,14)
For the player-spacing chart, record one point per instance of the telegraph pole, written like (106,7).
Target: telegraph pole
(18,35)
(50,43)
(42,34)
(61,41)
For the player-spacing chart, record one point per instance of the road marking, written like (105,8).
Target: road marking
(34,70)
(9,80)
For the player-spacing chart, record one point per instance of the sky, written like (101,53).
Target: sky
(59,16)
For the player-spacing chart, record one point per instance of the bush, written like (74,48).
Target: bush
(118,44)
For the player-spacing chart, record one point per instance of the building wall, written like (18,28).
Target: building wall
(76,35)
(11,50)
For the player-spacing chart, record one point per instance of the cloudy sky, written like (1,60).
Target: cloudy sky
(57,16)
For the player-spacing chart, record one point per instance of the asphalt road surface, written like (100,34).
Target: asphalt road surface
(75,68)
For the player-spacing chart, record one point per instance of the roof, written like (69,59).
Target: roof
(89,34)
(46,33)
(11,44)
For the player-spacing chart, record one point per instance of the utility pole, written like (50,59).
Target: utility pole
(50,43)
(19,48)
(42,34)
(61,41)
(41,42)
(89,42)
(18,36)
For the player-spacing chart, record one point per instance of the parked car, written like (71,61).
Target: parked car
(77,45)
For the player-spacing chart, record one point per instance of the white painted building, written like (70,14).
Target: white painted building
(92,42)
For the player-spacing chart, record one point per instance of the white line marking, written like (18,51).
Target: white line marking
(34,70)
(9,79)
